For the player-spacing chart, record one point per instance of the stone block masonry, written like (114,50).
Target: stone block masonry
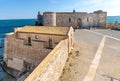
(27,54)
(27,47)
(51,67)
(74,19)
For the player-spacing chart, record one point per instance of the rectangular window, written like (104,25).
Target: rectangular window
(29,41)
(69,20)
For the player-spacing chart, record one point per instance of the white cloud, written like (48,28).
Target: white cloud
(111,6)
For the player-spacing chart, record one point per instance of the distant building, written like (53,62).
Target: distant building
(28,46)
(75,19)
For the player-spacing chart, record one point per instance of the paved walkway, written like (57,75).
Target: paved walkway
(96,57)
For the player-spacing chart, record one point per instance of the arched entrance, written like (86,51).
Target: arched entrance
(79,23)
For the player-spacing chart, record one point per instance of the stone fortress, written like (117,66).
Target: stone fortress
(30,47)
(39,53)
(74,19)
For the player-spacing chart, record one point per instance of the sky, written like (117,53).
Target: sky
(24,9)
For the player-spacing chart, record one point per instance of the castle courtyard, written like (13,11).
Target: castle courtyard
(96,57)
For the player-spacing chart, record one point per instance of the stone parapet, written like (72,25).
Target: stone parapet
(51,67)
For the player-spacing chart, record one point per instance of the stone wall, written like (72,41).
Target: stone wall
(40,20)
(51,67)
(67,19)
(102,18)
(16,63)
(71,19)
(86,19)
(16,48)
(41,37)
(70,39)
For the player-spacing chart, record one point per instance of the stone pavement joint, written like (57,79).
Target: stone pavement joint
(93,67)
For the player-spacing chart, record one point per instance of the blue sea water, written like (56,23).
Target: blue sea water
(7,26)
(112,19)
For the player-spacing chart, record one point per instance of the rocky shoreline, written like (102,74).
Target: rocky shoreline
(17,75)
(10,71)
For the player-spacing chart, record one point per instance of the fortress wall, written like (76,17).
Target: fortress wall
(42,37)
(93,19)
(71,19)
(51,67)
(39,19)
(6,42)
(63,19)
(97,18)
(87,19)
(84,19)
(16,49)
(103,18)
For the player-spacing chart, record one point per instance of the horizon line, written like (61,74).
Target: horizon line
(16,18)
(35,18)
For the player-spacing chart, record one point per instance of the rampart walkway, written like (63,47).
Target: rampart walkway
(96,57)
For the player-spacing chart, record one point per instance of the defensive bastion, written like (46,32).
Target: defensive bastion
(74,19)
(39,51)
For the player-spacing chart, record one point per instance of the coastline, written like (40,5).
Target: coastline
(5,68)
(16,75)
(8,70)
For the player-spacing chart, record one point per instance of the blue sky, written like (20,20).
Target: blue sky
(18,9)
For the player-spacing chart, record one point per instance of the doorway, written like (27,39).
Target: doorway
(79,23)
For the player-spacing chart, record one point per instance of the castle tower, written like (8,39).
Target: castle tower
(102,16)
(50,19)
(39,21)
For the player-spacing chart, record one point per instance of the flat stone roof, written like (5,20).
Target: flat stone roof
(45,30)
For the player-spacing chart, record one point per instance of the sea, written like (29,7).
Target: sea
(7,26)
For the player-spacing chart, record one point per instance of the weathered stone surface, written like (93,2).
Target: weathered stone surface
(16,64)
(24,54)
(32,55)
(81,19)
(51,67)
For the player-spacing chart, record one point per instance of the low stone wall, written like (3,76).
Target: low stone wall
(51,67)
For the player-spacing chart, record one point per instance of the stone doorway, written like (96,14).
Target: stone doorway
(79,23)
